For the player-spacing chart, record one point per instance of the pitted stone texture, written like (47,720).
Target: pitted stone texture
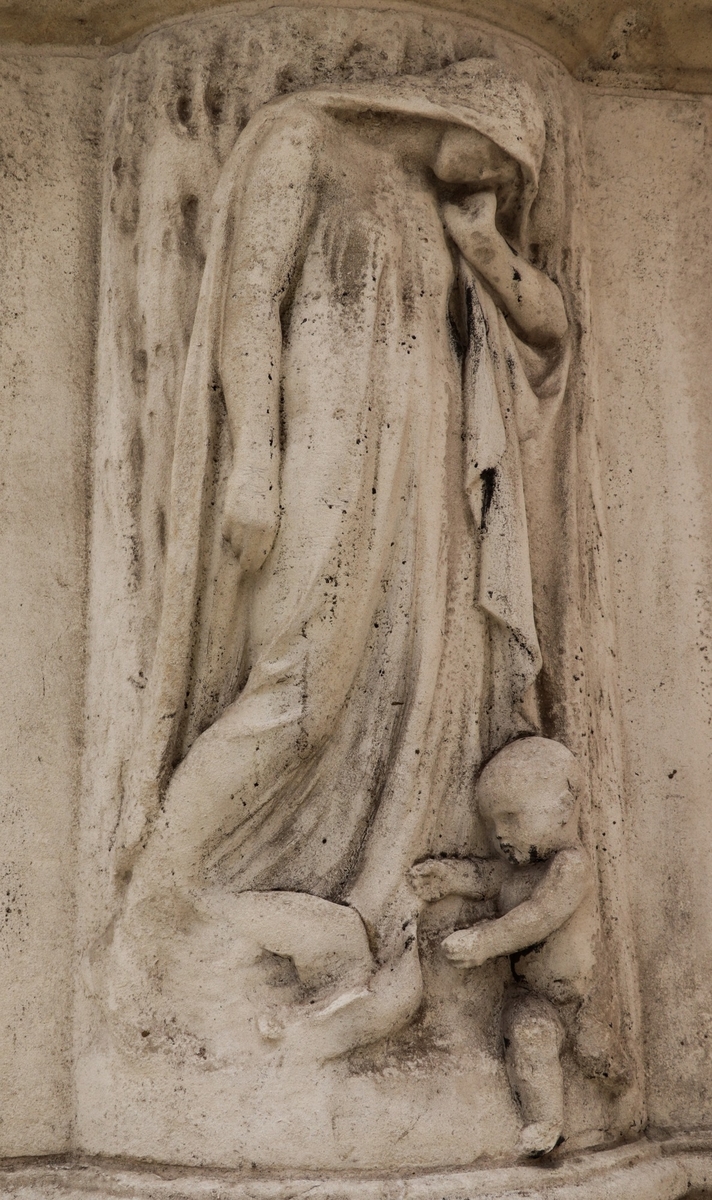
(48,288)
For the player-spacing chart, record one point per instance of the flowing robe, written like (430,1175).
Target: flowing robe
(336,706)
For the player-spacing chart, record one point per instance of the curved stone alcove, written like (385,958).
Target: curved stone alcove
(356,655)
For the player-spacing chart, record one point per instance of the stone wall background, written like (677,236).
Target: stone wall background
(650,220)
(650,225)
(49,195)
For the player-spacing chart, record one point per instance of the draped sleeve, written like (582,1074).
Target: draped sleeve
(509,394)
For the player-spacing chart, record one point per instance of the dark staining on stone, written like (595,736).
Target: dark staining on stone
(128,213)
(285,81)
(349,258)
(408,299)
(489,479)
(189,240)
(13,903)
(136,456)
(139,373)
(124,195)
(214,101)
(161,528)
(184,108)
(214,98)
(135,466)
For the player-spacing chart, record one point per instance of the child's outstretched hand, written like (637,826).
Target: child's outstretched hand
(470,947)
(434,878)
(474,878)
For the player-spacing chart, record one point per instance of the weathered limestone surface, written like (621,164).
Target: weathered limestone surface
(79,137)
(644,1171)
(48,287)
(649,215)
(666,43)
(355,722)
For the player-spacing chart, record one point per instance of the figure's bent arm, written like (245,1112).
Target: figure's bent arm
(531,300)
(275,211)
(555,898)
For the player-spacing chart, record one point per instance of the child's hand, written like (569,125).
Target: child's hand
(432,879)
(474,878)
(470,947)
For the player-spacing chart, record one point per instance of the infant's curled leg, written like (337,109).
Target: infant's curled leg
(327,942)
(533,1040)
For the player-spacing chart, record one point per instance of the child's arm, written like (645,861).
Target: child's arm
(532,300)
(555,898)
(474,878)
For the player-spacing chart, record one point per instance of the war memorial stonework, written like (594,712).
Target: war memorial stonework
(355,664)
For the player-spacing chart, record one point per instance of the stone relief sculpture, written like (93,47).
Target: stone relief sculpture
(368,589)
(320,777)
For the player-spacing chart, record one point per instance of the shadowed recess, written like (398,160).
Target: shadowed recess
(652,43)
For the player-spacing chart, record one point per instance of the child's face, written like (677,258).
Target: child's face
(528,827)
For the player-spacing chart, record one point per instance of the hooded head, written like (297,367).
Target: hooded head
(478,94)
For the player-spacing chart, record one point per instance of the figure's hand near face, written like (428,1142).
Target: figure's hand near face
(532,300)
(472,947)
(250,520)
(472,226)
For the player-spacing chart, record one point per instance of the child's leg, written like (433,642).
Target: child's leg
(533,1038)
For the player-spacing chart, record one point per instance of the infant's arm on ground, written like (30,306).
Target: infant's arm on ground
(553,901)
(472,878)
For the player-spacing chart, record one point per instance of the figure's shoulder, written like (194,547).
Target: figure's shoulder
(298,122)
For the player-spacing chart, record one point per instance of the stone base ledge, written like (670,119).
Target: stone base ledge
(645,1170)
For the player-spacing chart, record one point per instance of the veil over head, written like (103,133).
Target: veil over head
(477,93)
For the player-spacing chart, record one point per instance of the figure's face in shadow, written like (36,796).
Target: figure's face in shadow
(465,157)
(529,824)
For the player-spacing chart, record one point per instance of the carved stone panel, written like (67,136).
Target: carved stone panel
(352,874)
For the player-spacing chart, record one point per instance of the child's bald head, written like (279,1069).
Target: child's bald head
(528,794)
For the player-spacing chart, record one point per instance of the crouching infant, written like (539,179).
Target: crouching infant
(548,923)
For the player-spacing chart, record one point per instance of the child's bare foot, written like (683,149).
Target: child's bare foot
(354,1016)
(539,1138)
